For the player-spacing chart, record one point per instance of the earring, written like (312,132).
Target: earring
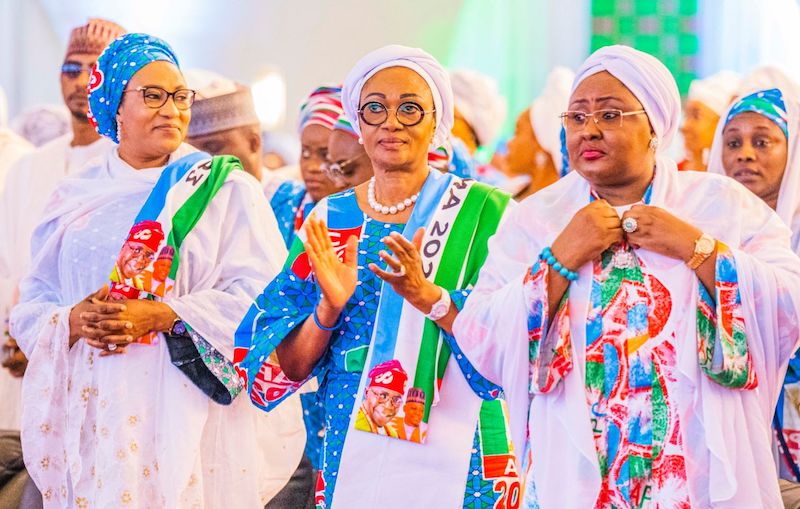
(540,158)
(653,143)
(360,140)
(119,130)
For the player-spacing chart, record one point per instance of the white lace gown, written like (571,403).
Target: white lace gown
(133,430)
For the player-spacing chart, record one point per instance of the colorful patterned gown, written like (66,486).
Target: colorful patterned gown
(631,372)
(290,204)
(290,300)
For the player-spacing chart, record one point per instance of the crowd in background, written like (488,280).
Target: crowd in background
(397,305)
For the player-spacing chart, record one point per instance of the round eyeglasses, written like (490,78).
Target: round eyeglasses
(409,113)
(156,97)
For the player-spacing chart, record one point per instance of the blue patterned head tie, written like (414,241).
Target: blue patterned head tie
(342,124)
(768,103)
(123,58)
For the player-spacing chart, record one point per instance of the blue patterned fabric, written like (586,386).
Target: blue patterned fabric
(462,164)
(288,301)
(784,423)
(285,203)
(123,58)
(479,492)
(768,103)
(314,420)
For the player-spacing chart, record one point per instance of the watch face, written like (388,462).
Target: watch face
(705,245)
(439,309)
(179,329)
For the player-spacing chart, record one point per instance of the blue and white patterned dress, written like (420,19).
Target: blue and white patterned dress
(288,301)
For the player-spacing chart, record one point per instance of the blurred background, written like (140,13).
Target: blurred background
(285,48)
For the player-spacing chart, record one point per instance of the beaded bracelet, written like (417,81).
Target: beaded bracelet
(335,326)
(547,256)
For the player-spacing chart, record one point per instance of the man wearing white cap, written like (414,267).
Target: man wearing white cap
(708,99)
(224,121)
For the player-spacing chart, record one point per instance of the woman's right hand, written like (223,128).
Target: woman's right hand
(592,230)
(94,303)
(335,278)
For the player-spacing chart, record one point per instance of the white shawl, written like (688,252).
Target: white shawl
(132,429)
(789,194)
(726,432)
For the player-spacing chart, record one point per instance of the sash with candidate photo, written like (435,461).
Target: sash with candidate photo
(150,256)
(407,358)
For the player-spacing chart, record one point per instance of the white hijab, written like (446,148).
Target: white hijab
(418,61)
(789,194)
(478,99)
(716,91)
(647,78)
(766,77)
(726,432)
(546,109)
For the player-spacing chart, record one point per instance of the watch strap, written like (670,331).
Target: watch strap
(441,307)
(699,257)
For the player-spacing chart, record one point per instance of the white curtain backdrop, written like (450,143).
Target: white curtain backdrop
(742,34)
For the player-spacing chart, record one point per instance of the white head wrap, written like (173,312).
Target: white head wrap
(545,111)
(788,207)
(418,61)
(647,79)
(478,99)
(767,77)
(717,91)
(42,123)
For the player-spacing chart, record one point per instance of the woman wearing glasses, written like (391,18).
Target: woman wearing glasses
(756,144)
(293,200)
(366,302)
(347,162)
(638,318)
(130,363)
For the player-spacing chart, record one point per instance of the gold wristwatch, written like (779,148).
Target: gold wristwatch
(703,248)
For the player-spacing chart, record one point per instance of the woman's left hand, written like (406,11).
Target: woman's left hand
(139,318)
(406,275)
(661,232)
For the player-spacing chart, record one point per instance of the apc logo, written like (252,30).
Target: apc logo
(143,235)
(384,378)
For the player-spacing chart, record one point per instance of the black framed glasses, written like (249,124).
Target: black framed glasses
(74,69)
(604,119)
(156,97)
(409,113)
(337,170)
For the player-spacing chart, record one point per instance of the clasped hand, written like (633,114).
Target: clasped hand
(597,226)
(103,323)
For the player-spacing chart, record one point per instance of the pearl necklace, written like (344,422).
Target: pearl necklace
(388,209)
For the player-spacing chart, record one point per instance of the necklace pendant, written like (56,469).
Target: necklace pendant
(623,259)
